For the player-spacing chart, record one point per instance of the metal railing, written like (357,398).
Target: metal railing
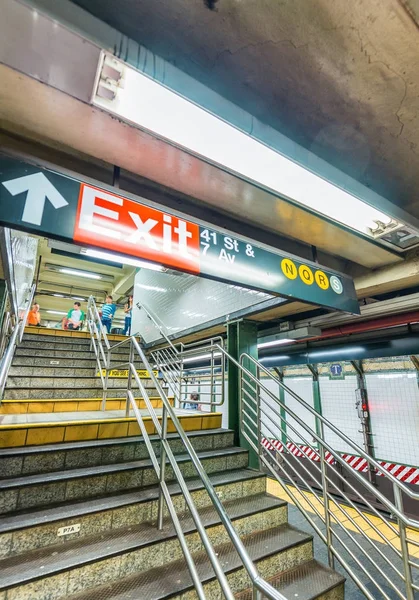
(176,364)
(318,487)
(13,328)
(261,588)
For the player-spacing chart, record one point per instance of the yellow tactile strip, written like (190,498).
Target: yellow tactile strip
(65,333)
(20,407)
(274,488)
(35,434)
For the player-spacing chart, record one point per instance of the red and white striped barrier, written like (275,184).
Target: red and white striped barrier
(356,462)
(298,451)
(295,450)
(401,472)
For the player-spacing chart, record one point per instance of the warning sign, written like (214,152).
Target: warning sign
(142,373)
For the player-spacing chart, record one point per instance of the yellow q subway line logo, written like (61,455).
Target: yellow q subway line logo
(309,276)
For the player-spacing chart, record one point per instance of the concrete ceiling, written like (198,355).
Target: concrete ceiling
(340,78)
(68,288)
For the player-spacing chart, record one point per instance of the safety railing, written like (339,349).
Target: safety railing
(177,368)
(377,551)
(176,364)
(261,588)
(13,327)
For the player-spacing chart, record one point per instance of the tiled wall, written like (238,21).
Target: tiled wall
(394,406)
(303,387)
(180,301)
(393,394)
(338,406)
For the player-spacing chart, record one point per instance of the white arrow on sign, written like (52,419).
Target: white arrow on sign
(39,188)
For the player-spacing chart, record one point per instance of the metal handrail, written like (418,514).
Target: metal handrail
(260,586)
(14,340)
(155,323)
(256,418)
(344,437)
(177,378)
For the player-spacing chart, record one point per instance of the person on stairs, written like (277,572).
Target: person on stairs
(34,316)
(128,316)
(107,313)
(75,317)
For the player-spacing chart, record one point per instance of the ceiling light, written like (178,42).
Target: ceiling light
(200,357)
(152,288)
(56,312)
(58,295)
(134,97)
(119,258)
(275,343)
(80,273)
(78,298)
(300,333)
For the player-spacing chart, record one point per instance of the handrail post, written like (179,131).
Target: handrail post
(105,387)
(131,367)
(258,423)
(398,500)
(323,466)
(160,510)
(180,382)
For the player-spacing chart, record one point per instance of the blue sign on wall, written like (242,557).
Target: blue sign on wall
(336,371)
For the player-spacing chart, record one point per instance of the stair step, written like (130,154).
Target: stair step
(37,528)
(30,460)
(79,392)
(63,334)
(54,405)
(44,489)
(277,548)
(51,428)
(79,370)
(133,545)
(69,351)
(63,381)
(308,581)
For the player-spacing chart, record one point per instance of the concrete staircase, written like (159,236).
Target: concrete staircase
(78,516)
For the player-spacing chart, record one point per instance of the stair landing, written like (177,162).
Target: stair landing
(51,428)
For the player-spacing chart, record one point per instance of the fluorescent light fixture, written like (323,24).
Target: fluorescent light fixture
(134,97)
(80,274)
(58,295)
(275,343)
(124,260)
(79,298)
(200,357)
(300,333)
(56,312)
(151,288)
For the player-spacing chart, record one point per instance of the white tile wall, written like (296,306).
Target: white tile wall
(394,408)
(303,387)
(338,406)
(204,390)
(271,422)
(180,301)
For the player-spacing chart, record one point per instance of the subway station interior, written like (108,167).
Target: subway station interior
(209,300)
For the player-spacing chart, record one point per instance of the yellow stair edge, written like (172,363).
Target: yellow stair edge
(66,333)
(52,405)
(36,434)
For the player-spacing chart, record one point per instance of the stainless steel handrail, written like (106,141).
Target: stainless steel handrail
(14,340)
(155,323)
(260,586)
(171,362)
(258,417)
